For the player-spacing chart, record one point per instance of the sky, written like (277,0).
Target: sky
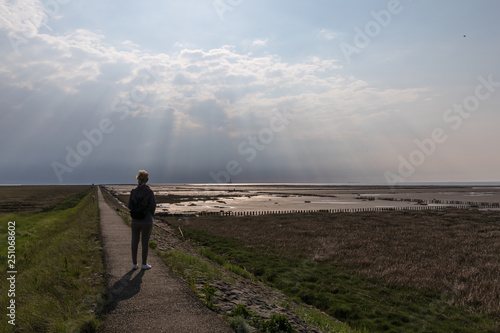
(207,91)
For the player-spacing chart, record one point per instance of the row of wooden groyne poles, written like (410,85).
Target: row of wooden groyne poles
(421,205)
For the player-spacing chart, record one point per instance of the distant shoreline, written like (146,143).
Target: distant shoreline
(354,184)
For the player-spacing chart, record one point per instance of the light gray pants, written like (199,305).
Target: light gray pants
(137,229)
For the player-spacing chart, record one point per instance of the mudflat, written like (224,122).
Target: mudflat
(193,198)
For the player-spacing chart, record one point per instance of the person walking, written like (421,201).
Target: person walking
(143,197)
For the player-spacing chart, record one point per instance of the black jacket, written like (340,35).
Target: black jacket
(145,194)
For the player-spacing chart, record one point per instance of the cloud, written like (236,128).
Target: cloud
(22,17)
(260,42)
(66,61)
(328,34)
(193,106)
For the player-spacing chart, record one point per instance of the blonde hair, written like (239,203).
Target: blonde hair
(142,177)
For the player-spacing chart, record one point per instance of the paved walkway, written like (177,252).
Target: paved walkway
(147,301)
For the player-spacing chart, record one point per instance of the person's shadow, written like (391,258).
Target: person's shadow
(123,289)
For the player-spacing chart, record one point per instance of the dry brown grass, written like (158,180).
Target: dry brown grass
(455,252)
(32,199)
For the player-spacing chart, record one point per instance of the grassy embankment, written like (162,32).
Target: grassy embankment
(211,267)
(430,271)
(60,275)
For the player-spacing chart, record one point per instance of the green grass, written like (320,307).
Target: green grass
(212,256)
(189,266)
(224,263)
(237,270)
(242,320)
(318,319)
(362,303)
(68,202)
(192,268)
(59,280)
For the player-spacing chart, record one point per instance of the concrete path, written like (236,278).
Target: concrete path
(147,301)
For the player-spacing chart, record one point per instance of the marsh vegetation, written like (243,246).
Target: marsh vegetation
(412,271)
